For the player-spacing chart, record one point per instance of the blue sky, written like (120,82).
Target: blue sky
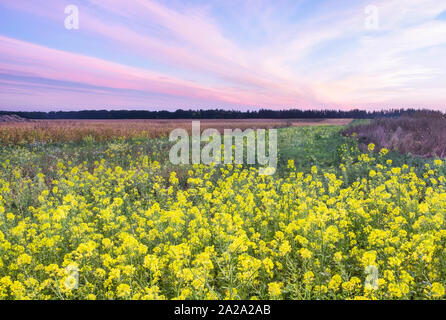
(173,54)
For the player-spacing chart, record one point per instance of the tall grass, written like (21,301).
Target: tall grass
(16,133)
(13,133)
(422,134)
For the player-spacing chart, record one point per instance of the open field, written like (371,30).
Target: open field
(105,130)
(114,219)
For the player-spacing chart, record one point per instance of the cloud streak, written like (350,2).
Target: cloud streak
(148,54)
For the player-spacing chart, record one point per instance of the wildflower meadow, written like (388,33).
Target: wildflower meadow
(115,220)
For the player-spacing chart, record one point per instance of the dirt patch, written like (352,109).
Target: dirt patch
(12,118)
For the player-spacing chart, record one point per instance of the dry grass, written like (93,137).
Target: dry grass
(103,130)
(422,134)
(322,122)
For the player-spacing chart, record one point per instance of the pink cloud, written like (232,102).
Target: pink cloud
(195,61)
(29,60)
(194,44)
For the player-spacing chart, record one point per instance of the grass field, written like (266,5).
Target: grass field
(83,217)
(104,130)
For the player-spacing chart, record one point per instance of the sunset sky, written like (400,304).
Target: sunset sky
(172,54)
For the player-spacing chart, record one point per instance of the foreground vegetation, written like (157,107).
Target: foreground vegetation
(137,228)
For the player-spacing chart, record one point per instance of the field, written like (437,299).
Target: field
(104,130)
(95,210)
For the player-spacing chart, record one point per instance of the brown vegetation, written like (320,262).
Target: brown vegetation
(322,122)
(103,130)
(422,133)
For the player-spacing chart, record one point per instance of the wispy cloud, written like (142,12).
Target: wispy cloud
(141,53)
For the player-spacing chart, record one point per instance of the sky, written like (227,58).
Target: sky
(172,54)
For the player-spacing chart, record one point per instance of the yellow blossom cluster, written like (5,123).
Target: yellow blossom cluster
(108,232)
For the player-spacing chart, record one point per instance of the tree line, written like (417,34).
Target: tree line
(212,114)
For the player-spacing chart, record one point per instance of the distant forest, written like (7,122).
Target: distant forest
(212,114)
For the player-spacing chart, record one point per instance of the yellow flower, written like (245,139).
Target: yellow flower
(305,253)
(308,276)
(335,282)
(285,248)
(338,256)
(368,258)
(437,290)
(123,290)
(275,289)
(268,265)
(24,259)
